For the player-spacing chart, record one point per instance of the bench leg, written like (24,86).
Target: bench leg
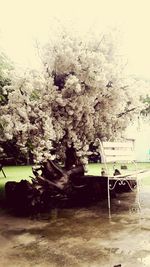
(138,194)
(108,197)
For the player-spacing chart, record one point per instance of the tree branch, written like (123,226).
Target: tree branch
(125,112)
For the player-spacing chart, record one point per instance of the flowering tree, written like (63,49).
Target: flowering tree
(80,95)
(5,68)
(146,110)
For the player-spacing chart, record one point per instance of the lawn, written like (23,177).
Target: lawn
(95,169)
(16,173)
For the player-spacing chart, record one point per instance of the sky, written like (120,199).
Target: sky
(23,22)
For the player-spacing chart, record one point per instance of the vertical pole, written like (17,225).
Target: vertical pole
(108,197)
(138,186)
(138,193)
(106,167)
(3,173)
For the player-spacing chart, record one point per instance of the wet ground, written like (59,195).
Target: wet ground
(83,237)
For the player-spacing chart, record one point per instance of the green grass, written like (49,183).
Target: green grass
(95,168)
(16,173)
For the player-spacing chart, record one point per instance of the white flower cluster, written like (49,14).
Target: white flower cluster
(80,95)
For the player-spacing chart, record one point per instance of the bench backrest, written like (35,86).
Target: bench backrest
(117,151)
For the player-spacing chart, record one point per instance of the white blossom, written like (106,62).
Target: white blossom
(80,95)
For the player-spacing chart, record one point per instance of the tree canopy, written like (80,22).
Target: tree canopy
(5,67)
(146,110)
(82,93)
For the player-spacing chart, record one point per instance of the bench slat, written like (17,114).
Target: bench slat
(117,144)
(119,158)
(112,152)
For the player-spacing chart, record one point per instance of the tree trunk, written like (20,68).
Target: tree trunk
(71,158)
(54,186)
(50,185)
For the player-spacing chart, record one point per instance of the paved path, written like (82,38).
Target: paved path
(83,237)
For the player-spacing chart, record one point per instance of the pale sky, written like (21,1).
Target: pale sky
(24,21)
